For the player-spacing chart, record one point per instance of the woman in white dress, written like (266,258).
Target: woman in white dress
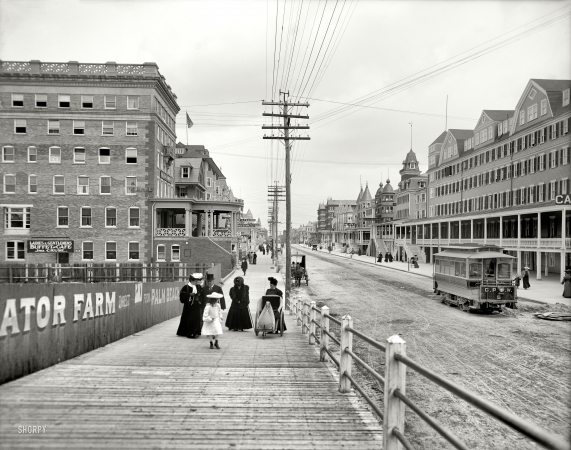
(212,319)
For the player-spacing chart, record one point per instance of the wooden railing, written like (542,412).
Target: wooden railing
(394,381)
(98,273)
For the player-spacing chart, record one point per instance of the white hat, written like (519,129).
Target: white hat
(526,268)
(215,295)
(197,276)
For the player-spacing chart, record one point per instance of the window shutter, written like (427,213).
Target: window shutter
(549,160)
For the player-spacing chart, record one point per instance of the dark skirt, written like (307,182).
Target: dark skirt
(277,317)
(190,320)
(526,282)
(238,319)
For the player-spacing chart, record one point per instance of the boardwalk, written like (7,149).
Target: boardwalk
(157,390)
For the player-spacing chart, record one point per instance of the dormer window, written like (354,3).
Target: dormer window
(483,119)
(411,165)
(565,97)
(532,93)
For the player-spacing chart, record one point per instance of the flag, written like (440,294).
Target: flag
(189,123)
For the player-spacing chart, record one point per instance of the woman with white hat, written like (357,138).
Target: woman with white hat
(525,277)
(191,318)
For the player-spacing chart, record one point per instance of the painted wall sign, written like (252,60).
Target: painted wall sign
(52,246)
(166,177)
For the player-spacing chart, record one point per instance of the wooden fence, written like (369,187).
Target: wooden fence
(99,273)
(394,381)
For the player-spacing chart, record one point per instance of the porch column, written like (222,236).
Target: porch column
(199,224)
(546,264)
(538,237)
(518,230)
(485,229)
(562,233)
(439,234)
(501,229)
(519,262)
(471,230)
(562,264)
(212,218)
(538,264)
(187,221)
(460,230)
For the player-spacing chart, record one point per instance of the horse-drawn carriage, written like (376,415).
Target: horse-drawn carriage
(299,270)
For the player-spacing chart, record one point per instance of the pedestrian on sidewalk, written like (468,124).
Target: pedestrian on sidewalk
(239,314)
(244,266)
(209,289)
(525,278)
(273,290)
(415,261)
(250,257)
(212,319)
(390,257)
(254,258)
(359,251)
(567,284)
(380,257)
(352,253)
(191,318)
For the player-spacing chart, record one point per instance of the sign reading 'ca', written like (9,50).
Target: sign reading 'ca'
(53,246)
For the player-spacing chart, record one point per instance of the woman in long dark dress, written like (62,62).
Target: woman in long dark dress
(525,278)
(239,314)
(567,284)
(191,318)
(273,290)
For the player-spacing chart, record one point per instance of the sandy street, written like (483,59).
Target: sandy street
(516,361)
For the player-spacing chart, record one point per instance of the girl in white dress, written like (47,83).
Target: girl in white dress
(212,318)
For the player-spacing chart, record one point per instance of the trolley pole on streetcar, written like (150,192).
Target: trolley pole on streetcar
(287,126)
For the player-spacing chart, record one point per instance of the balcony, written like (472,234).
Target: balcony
(170,232)
(221,232)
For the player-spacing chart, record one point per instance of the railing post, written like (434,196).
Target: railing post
(324,337)
(395,378)
(304,319)
(344,357)
(312,317)
(299,311)
(292,306)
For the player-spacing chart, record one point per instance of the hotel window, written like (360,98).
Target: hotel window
(41,101)
(82,185)
(87,250)
(87,101)
(563,186)
(18,100)
(32,184)
(542,162)
(499,129)
(132,129)
(540,190)
(565,97)
(79,156)
(104,156)
(55,155)
(490,132)
(20,126)
(85,216)
(110,217)
(62,216)
(104,185)
(185,172)
(543,107)
(32,154)
(566,126)
(552,185)
(59,184)
(78,127)
(110,102)
(521,117)
(8,154)
(15,250)
(107,128)
(565,154)
(208,182)
(134,217)
(17,218)
(553,159)
(133,250)
(131,185)
(53,126)
(532,165)
(111,251)
(64,101)
(9,184)
(132,102)
(161,253)
(175,253)
(131,156)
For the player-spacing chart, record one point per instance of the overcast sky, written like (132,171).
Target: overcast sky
(411,54)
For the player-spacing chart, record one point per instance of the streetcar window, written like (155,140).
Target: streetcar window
(490,267)
(457,269)
(463,270)
(446,267)
(504,270)
(460,269)
(475,270)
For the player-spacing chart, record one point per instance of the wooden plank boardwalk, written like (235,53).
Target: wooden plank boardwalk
(157,390)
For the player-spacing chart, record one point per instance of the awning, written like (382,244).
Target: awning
(473,254)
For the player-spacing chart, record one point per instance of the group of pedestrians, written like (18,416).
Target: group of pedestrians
(388,257)
(204,307)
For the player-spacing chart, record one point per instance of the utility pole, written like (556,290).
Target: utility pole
(287,126)
(275,194)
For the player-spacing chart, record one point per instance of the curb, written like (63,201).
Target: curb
(228,276)
(378,265)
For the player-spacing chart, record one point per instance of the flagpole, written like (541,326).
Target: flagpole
(186,127)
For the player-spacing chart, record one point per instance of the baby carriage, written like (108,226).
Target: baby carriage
(266,312)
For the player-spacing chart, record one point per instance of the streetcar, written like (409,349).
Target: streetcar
(475,277)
